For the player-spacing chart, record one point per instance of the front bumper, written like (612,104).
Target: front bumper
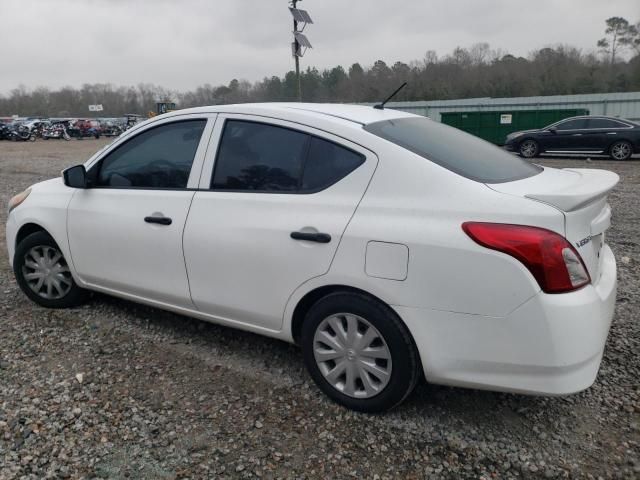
(510,146)
(550,345)
(11,231)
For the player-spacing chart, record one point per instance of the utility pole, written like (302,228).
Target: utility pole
(300,41)
(296,48)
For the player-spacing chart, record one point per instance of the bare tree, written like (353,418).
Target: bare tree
(631,38)
(615,34)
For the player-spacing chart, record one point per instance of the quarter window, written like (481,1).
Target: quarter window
(259,157)
(157,158)
(327,163)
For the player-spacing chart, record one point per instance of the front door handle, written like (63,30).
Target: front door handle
(311,237)
(158,220)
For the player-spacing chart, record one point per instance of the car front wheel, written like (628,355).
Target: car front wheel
(43,274)
(620,151)
(359,352)
(529,149)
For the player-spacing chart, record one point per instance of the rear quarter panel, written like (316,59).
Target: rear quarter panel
(414,202)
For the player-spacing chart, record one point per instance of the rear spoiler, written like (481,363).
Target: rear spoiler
(589,186)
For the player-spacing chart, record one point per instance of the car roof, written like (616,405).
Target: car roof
(597,116)
(358,114)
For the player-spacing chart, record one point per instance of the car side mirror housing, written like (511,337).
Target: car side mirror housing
(553,130)
(75,177)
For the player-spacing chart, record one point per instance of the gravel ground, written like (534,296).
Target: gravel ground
(118,390)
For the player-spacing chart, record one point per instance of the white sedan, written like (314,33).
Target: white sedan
(386,245)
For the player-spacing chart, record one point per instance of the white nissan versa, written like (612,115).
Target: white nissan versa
(385,244)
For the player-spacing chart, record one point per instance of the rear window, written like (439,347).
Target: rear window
(454,149)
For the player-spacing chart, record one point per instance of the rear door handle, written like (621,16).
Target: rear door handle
(311,237)
(158,220)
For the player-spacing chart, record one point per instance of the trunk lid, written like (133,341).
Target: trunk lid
(581,195)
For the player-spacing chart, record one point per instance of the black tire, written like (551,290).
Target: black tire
(406,367)
(621,150)
(74,296)
(529,148)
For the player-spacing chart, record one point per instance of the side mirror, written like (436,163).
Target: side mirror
(75,177)
(553,130)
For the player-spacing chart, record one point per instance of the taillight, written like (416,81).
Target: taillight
(551,259)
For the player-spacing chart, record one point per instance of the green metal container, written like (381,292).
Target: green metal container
(494,126)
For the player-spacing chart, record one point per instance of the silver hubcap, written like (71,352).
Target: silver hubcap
(620,151)
(352,355)
(46,272)
(528,149)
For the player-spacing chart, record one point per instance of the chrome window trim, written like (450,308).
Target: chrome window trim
(621,122)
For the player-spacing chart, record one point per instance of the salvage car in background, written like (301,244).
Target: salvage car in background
(83,128)
(615,137)
(385,244)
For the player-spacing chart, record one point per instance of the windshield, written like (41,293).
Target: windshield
(454,149)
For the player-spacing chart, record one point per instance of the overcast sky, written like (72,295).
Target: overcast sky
(180,44)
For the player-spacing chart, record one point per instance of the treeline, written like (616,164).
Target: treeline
(478,71)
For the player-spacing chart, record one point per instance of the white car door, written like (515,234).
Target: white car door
(269,215)
(125,230)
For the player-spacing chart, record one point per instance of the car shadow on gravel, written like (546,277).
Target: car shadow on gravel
(255,355)
(453,419)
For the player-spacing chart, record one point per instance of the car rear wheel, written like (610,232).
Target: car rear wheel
(529,149)
(359,352)
(43,274)
(620,151)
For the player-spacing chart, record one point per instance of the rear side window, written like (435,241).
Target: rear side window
(453,149)
(160,157)
(605,123)
(259,157)
(327,163)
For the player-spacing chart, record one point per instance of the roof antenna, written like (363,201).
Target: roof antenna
(380,106)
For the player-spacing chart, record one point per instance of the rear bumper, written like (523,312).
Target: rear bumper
(550,345)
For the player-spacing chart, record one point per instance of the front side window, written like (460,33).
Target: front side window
(453,149)
(160,157)
(575,124)
(259,157)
